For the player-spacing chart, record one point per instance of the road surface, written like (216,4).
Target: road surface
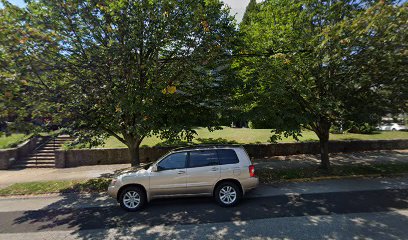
(336,209)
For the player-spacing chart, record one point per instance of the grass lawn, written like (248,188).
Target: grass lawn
(12,141)
(84,186)
(246,135)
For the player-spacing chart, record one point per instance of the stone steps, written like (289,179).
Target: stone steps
(52,157)
(46,151)
(40,154)
(33,161)
(44,157)
(50,147)
(33,165)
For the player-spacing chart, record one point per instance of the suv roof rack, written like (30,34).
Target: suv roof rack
(206,146)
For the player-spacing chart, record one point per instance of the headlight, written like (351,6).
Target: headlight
(113,182)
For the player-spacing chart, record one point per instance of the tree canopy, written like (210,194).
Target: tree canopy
(326,63)
(250,12)
(128,68)
(135,68)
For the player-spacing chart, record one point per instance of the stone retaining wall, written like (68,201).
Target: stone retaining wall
(284,149)
(9,155)
(81,157)
(101,156)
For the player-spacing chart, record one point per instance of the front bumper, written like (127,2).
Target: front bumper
(113,191)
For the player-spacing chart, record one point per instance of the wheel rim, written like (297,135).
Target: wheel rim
(228,195)
(131,199)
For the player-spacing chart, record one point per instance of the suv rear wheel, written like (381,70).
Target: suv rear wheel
(132,198)
(228,194)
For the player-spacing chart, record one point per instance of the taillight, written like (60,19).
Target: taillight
(251,171)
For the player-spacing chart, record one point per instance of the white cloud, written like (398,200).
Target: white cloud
(237,7)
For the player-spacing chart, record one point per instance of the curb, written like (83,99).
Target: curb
(298,180)
(316,179)
(52,194)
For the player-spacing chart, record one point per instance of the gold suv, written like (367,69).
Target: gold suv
(225,172)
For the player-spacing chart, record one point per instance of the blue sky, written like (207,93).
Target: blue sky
(237,6)
(18,2)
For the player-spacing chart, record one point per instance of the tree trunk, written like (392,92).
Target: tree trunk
(323,134)
(324,153)
(134,153)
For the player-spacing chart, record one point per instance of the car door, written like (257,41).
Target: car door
(170,177)
(203,171)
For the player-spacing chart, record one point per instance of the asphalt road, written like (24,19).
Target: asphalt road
(375,214)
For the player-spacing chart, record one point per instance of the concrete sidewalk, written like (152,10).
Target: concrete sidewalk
(8,177)
(75,201)
(336,159)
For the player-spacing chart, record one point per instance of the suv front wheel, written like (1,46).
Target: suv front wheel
(228,194)
(132,198)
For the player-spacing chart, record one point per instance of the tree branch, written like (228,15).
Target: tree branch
(115,135)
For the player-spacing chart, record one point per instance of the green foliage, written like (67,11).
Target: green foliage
(130,69)
(323,63)
(20,103)
(260,124)
(215,141)
(335,129)
(251,136)
(12,141)
(364,128)
(250,12)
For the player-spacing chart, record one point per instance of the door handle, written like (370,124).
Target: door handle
(214,169)
(181,172)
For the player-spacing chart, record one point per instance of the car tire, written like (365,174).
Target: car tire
(132,198)
(228,194)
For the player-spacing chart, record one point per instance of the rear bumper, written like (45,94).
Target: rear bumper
(249,183)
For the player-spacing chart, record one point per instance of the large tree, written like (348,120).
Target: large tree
(250,12)
(315,64)
(14,110)
(128,68)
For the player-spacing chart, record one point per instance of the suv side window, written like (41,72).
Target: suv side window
(227,156)
(203,158)
(173,161)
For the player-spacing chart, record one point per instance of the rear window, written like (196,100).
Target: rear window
(203,158)
(227,156)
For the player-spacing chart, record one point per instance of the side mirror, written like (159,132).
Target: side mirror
(154,168)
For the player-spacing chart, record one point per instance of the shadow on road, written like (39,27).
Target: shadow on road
(194,218)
